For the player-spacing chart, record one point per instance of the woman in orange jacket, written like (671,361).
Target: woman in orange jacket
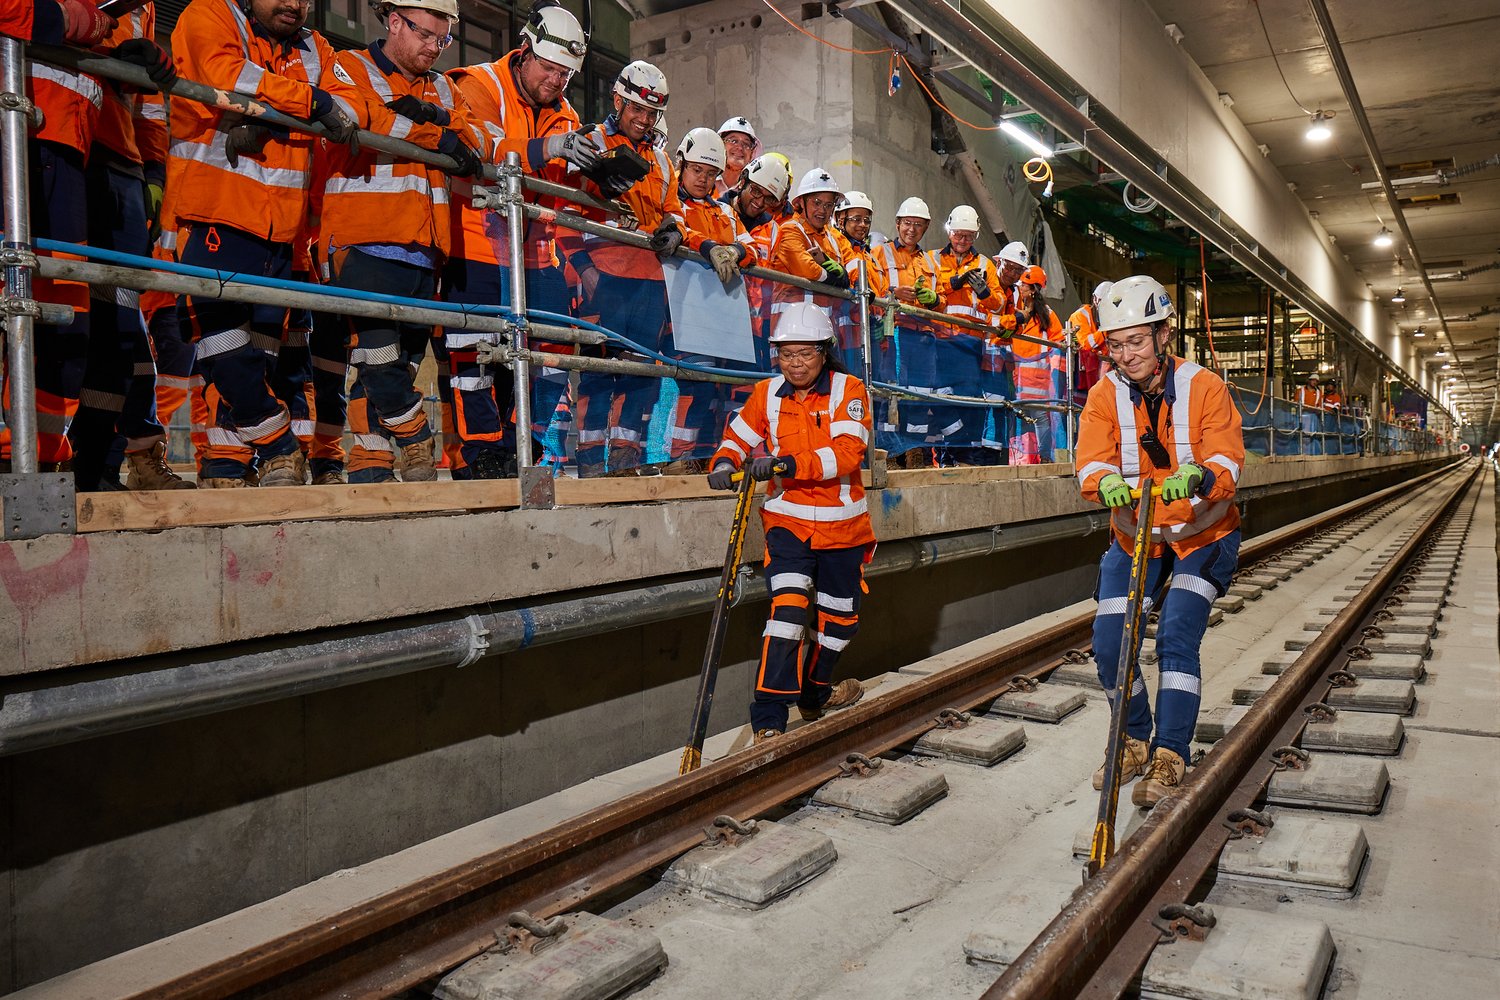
(814,421)
(1160,420)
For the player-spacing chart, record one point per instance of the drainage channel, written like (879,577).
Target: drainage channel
(841,844)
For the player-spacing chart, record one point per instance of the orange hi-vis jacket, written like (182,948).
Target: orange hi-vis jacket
(1034,364)
(1086,328)
(1332,400)
(133,123)
(823,501)
(763,239)
(961,301)
(495,103)
(266,195)
(859,257)
(650,199)
(70,103)
(1309,397)
(902,267)
(373,197)
(713,221)
(792,254)
(1197,424)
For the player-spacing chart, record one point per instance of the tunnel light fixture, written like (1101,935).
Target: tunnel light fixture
(1418,333)
(1318,129)
(1383,238)
(1399,297)
(1446,367)
(1027,138)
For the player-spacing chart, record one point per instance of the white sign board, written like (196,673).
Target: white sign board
(708,318)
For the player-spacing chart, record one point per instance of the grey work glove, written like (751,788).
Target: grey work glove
(725,260)
(722,478)
(977,284)
(248,139)
(666,239)
(337,125)
(577,148)
(766,466)
(420,111)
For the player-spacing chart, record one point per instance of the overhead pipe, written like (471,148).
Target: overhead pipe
(142,693)
(1041,85)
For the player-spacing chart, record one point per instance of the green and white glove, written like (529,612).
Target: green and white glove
(1182,484)
(926,297)
(1114,491)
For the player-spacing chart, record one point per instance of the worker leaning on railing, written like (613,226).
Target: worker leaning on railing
(1037,369)
(968,286)
(1160,420)
(909,357)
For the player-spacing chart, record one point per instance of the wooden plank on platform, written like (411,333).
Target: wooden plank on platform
(155,510)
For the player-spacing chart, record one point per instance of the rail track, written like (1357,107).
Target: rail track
(1101,939)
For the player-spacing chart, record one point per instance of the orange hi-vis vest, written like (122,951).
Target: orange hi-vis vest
(1197,424)
(1034,364)
(266,195)
(902,267)
(650,199)
(792,254)
(823,502)
(495,104)
(378,198)
(1309,397)
(961,301)
(133,123)
(1086,328)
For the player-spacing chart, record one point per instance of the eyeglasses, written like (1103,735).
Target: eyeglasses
(739,142)
(423,35)
(822,203)
(1134,345)
(799,357)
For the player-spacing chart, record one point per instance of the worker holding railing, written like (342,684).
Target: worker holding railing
(1159,419)
(1037,369)
(968,285)
(908,358)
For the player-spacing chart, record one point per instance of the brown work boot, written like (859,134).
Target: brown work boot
(761,735)
(1137,756)
(845,693)
(149,470)
(685,467)
(623,461)
(222,484)
(1162,778)
(331,477)
(590,470)
(285,470)
(416,462)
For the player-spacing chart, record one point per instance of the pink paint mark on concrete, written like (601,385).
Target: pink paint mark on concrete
(231,566)
(31,589)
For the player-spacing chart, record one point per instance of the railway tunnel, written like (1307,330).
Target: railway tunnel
(232,722)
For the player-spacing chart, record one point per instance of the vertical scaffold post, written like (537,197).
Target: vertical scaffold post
(536,484)
(862,302)
(1070,355)
(18,256)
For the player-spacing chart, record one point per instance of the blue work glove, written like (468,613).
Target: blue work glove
(722,478)
(1114,491)
(766,466)
(1182,484)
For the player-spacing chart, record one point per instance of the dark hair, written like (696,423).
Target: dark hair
(831,359)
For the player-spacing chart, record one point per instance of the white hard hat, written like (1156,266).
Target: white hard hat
(442,8)
(817,181)
(552,34)
(914,208)
(703,145)
(739,123)
(1134,301)
(659,131)
(642,83)
(856,199)
(1014,252)
(1101,290)
(769,172)
(962,219)
(802,323)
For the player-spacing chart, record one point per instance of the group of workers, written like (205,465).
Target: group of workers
(121,168)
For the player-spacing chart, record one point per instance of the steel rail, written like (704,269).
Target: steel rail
(1099,941)
(418,931)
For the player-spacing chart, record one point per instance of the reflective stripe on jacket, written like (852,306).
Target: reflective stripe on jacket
(826,433)
(650,199)
(1109,442)
(133,123)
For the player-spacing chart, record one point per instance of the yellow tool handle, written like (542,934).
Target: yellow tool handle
(1136,494)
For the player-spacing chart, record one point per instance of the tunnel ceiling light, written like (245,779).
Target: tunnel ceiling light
(1318,129)
(1027,138)
(1419,332)
(1399,297)
(1446,367)
(1383,238)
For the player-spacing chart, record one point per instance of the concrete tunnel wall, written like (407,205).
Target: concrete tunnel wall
(150,832)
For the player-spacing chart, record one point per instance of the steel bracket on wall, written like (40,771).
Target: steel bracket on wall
(36,504)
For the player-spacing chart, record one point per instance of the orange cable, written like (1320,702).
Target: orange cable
(831,45)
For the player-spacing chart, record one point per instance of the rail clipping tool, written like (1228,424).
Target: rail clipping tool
(1102,847)
(621,164)
(692,753)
